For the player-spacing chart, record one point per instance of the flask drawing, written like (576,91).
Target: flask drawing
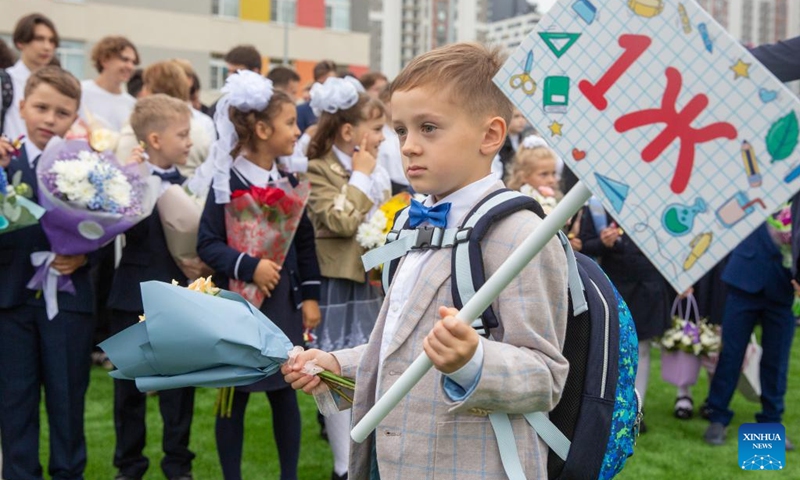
(678,219)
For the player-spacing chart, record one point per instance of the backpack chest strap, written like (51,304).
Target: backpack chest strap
(400,242)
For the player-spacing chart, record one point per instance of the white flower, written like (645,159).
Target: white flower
(370,233)
(119,190)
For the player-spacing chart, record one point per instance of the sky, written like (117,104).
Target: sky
(544,5)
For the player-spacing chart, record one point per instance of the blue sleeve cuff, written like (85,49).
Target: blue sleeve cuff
(460,384)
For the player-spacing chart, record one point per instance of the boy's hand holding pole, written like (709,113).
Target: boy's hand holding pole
(452,343)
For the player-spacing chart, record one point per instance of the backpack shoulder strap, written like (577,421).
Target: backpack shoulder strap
(6,96)
(468,273)
(401,221)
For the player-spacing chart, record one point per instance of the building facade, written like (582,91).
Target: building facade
(201,31)
(403,29)
(755,22)
(509,33)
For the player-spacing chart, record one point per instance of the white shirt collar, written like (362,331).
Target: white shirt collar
(32,151)
(345,159)
(254,174)
(154,168)
(462,201)
(19,69)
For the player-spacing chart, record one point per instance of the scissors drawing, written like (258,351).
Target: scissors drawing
(524,79)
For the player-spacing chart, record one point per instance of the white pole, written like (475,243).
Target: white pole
(569,205)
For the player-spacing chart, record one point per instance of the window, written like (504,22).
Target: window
(218,72)
(225,8)
(284,11)
(72,57)
(337,14)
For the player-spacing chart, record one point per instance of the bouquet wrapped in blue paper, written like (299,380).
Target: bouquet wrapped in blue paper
(203,337)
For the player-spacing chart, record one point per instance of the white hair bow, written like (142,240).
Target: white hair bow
(245,91)
(335,94)
(533,141)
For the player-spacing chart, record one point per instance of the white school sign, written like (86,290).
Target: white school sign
(689,142)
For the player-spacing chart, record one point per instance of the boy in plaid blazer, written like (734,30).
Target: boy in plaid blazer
(451,120)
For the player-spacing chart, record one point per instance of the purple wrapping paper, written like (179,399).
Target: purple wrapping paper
(72,229)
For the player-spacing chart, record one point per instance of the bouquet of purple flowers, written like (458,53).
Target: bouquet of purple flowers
(90,199)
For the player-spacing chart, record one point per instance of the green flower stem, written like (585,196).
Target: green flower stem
(331,378)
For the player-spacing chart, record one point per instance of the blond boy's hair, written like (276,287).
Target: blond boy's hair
(464,71)
(61,80)
(525,162)
(154,113)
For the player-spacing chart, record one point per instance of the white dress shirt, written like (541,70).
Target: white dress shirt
(15,126)
(164,184)
(254,174)
(375,185)
(461,202)
(32,151)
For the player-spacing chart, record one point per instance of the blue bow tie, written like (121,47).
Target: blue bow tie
(436,216)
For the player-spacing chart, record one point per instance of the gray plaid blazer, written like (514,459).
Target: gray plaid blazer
(428,436)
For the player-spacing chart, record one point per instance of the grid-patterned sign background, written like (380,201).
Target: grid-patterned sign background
(733,185)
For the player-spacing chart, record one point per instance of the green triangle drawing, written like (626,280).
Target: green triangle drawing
(549,37)
(615,192)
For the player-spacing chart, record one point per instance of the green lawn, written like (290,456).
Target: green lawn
(672,449)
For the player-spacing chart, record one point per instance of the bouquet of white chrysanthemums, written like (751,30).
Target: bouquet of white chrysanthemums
(691,335)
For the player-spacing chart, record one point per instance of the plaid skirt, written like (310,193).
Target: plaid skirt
(349,311)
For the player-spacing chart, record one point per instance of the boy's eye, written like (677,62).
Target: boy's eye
(428,128)
(400,131)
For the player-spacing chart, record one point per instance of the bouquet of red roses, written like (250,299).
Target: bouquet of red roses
(261,222)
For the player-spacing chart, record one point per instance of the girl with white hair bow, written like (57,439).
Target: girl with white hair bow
(257,125)
(347,186)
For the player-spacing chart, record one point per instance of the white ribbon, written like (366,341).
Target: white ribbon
(50,284)
(245,91)
(334,95)
(533,141)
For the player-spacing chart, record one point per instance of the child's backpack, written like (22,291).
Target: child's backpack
(599,404)
(6,96)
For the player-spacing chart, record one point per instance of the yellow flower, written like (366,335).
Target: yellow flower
(102,139)
(204,285)
(392,206)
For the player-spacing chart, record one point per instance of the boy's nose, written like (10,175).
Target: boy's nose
(409,147)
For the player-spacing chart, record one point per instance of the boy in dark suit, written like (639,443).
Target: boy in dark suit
(35,351)
(759,291)
(163,124)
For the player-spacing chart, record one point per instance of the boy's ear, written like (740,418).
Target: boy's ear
(22,108)
(263,131)
(153,140)
(494,136)
(346,131)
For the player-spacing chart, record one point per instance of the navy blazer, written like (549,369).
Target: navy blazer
(783,60)
(305,116)
(755,266)
(300,267)
(145,257)
(15,258)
